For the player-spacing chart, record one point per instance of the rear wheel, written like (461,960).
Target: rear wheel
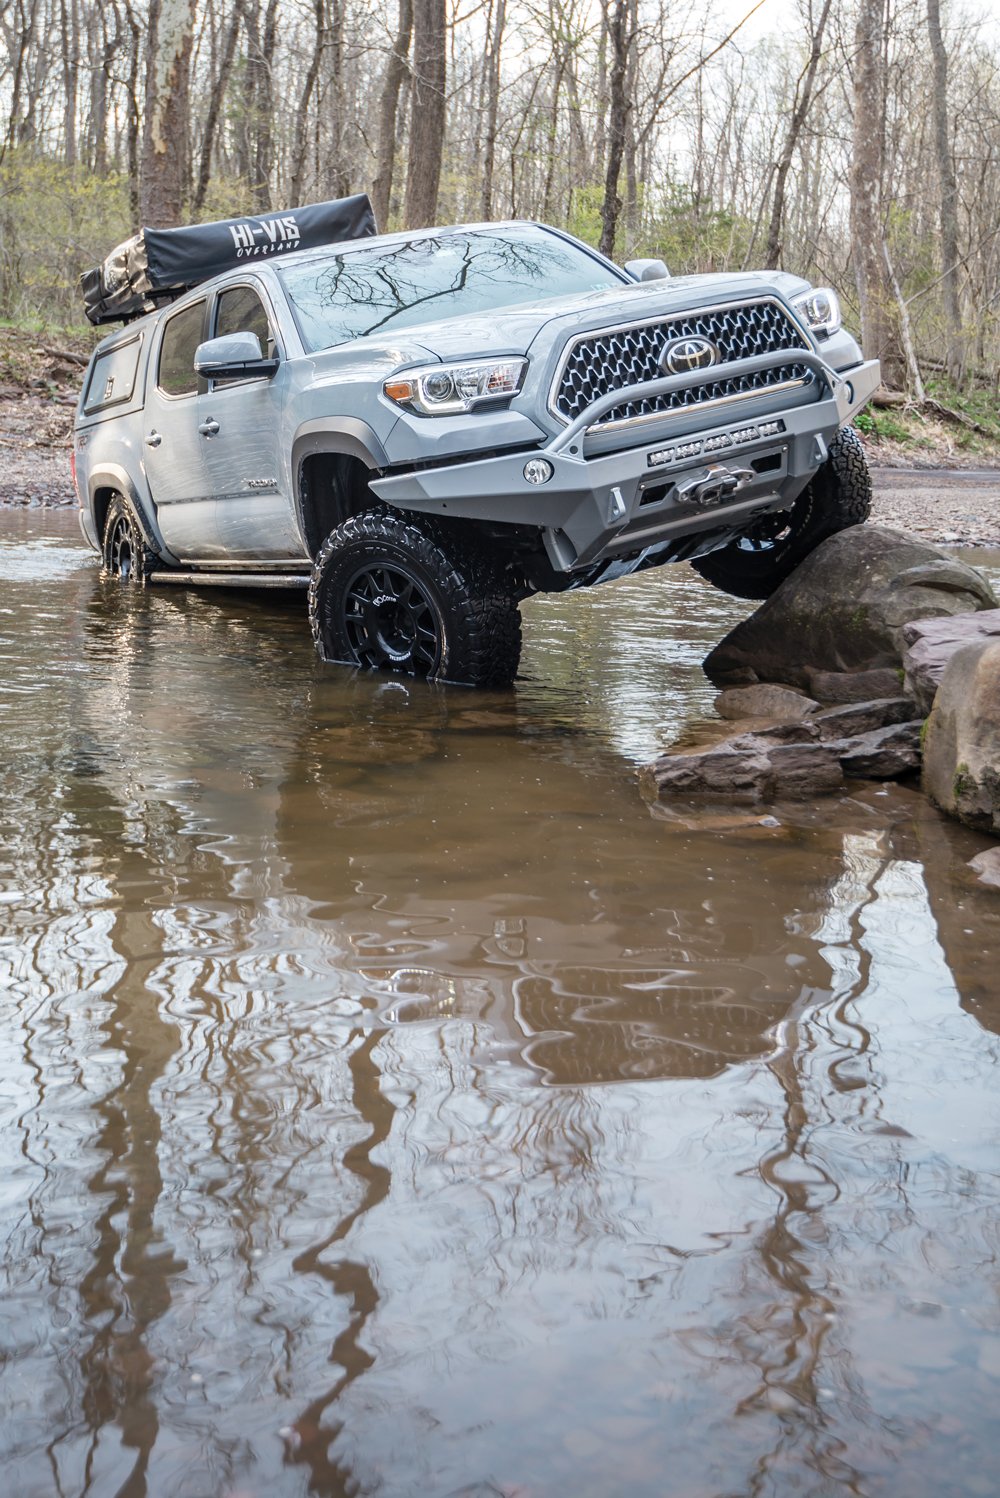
(123,546)
(838,496)
(386,595)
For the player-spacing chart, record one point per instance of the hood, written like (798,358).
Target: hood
(513,330)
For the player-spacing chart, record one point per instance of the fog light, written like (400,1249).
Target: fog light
(538,470)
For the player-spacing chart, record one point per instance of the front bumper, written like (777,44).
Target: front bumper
(677,483)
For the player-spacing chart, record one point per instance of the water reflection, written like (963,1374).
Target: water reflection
(393,1105)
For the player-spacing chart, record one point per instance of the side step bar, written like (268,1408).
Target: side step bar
(233,579)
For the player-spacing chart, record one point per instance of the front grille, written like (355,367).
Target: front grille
(616,357)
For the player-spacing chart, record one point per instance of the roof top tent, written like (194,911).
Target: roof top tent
(157,265)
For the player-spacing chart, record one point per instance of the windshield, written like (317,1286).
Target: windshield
(401,285)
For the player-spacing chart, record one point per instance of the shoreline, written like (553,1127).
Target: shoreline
(949,506)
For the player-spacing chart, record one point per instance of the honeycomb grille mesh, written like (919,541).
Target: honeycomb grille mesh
(630,356)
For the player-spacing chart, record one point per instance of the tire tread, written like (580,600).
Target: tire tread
(485,622)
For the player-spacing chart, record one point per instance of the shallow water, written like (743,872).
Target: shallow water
(392,1104)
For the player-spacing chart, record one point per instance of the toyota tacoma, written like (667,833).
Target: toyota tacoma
(424,428)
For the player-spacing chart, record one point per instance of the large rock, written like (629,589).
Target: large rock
(752,768)
(844,608)
(961,767)
(986,867)
(764,700)
(931,643)
(854,686)
(863,717)
(882,754)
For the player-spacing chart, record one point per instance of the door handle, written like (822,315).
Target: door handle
(154,439)
(209,428)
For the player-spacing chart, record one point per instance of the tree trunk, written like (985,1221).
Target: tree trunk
(101,80)
(548,199)
(164,175)
(132,148)
(954,351)
(916,383)
(775,247)
(70,43)
(18,128)
(878,334)
(215,102)
(618,38)
(631,144)
(257,103)
(427,110)
(492,106)
(388,114)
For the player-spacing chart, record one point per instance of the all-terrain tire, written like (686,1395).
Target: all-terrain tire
(838,496)
(124,551)
(388,595)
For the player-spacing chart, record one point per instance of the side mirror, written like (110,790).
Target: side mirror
(647,270)
(235,356)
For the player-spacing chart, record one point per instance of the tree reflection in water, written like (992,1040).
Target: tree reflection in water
(394,1106)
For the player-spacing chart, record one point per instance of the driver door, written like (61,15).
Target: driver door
(240,427)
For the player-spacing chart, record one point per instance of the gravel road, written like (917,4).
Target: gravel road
(950,507)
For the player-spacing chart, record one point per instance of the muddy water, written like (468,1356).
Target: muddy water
(392,1104)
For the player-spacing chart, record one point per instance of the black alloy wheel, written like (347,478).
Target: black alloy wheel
(838,495)
(386,594)
(389,619)
(123,547)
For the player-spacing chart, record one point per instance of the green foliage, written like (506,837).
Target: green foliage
(585,213)
(882,426)
(690,234)
(227,197)
(978,402)
(55,221)
(674,226)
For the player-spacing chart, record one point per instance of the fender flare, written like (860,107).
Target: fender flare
(346,435)
(113,476)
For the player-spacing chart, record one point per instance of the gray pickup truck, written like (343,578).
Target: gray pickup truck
(425,428)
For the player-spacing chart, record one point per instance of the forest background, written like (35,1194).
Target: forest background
(857,143)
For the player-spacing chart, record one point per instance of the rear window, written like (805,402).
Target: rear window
(382,288)
(112,379)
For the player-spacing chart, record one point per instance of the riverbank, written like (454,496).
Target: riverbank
(941,502)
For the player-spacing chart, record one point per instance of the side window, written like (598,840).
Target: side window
(240,310)
(181,337)
(112,379)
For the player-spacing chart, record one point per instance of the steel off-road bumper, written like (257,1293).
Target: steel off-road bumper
(679,482)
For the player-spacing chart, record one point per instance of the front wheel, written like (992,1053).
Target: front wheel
(123,546)
(386,596)
(838,495)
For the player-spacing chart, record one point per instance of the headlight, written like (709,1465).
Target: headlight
(819,310)
(449,389)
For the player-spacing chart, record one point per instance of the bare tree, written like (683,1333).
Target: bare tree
(305,100)
(215,107)
(874,293)
(619,105)
(493,60)
(948,187)
(800,112)
(163,176)
(427,112)
(388,113)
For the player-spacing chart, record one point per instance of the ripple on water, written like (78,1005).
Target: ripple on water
(390,1103)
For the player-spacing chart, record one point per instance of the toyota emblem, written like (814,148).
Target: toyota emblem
(685,355)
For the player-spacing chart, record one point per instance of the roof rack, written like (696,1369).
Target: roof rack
(157,265)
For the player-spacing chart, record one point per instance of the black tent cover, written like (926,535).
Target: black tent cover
(156,265)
